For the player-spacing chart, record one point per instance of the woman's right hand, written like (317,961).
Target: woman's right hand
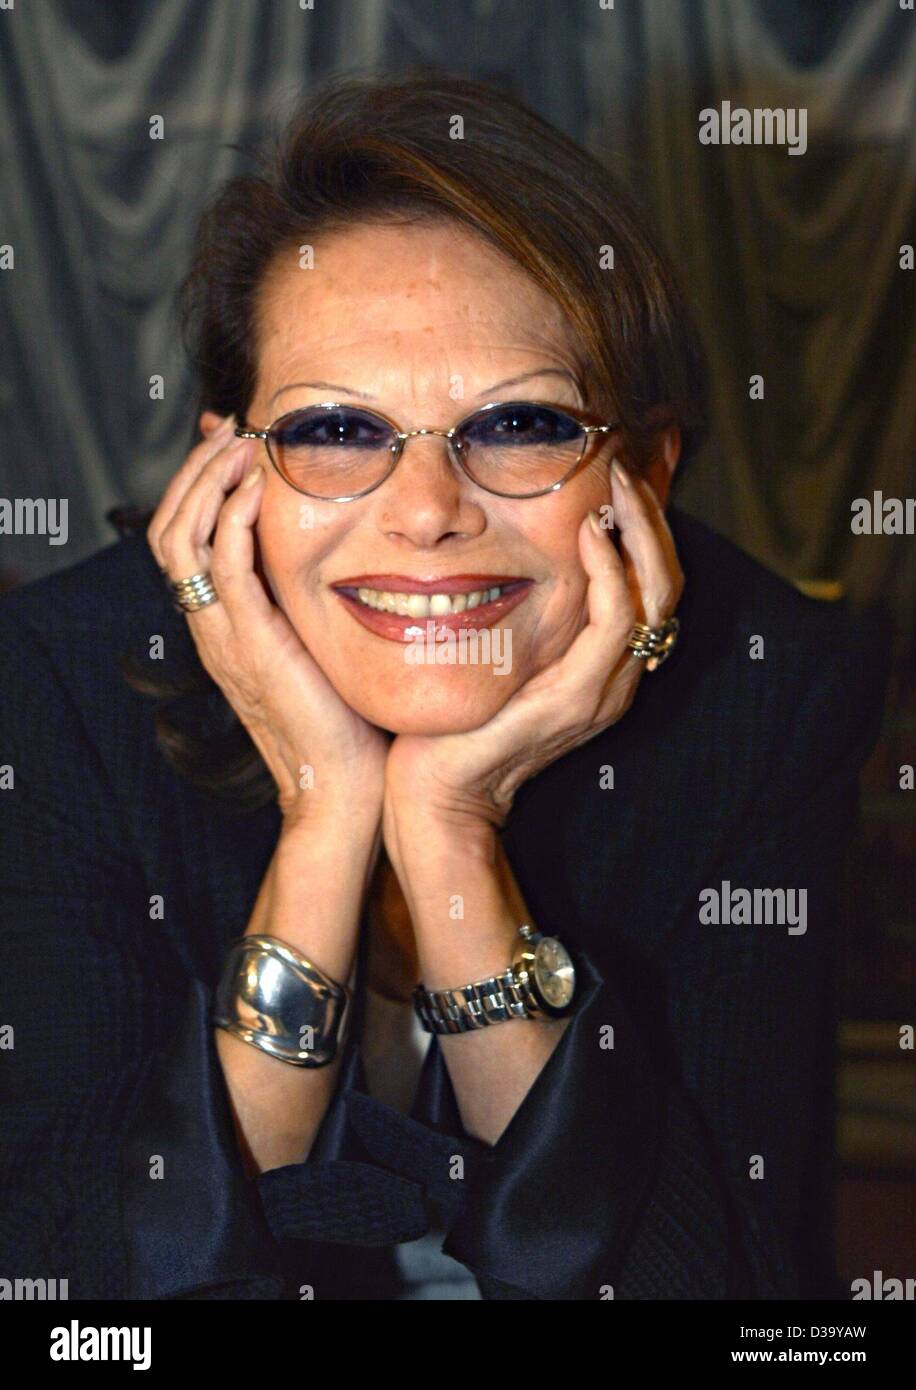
(248,646)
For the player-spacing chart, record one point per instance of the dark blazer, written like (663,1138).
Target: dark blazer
(632,1167)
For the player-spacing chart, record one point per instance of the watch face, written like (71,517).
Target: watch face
(554,972)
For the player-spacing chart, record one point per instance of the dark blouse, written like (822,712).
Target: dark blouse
(632,1168)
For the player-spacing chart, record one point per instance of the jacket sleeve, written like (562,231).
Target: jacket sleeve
(86,1004)
(71,1002)
(119,1164)
(678,1164)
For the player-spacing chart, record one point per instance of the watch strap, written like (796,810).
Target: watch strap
(468,1007)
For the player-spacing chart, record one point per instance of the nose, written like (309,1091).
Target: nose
(428,499)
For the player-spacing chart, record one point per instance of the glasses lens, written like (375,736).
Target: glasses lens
(332,451)
(520,447)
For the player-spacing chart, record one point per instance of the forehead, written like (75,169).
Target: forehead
(389,292)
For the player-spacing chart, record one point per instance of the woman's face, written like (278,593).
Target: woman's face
(421,322)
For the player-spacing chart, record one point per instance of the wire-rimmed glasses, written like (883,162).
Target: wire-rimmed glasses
(337,452)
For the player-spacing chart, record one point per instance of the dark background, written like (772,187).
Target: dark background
(792,264)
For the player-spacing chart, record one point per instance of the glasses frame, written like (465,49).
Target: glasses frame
(454,449)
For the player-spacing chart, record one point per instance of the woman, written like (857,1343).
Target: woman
(419,587)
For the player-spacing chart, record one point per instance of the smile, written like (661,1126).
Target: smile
(396,607)
(426,605)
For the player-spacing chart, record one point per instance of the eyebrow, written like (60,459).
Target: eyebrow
(488,391)
(527,376)
(321,386)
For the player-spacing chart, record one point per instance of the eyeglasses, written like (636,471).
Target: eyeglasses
(509,448)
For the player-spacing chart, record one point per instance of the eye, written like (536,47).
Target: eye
(316,428)
(521,423)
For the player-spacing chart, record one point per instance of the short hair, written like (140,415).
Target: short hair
(362,149)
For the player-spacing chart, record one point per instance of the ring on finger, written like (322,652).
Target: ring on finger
(654,644)
(197,591)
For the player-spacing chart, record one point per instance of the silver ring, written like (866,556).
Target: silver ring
(653,645)
(196,592)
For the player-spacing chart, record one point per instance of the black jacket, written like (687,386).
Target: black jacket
(628,1168)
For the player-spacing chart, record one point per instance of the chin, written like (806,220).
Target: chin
(427,709)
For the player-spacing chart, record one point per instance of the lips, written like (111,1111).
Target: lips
(397,589)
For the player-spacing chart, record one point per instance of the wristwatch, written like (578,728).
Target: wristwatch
(540,983)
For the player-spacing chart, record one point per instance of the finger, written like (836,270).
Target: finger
(662,530)
(574,690)
(656,584)
(232,559)
(598,648)
(187,538)
(550,702)
(178,486)
(591,665)
(186,554)
(210,422)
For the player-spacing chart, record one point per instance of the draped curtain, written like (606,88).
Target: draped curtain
(792,263)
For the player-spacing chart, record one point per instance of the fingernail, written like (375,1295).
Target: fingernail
(621,473)
(648,491)
(594,522)
(252,477)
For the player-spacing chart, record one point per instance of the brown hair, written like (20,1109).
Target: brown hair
(367,148)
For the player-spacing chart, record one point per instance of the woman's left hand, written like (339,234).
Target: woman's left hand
(466,782)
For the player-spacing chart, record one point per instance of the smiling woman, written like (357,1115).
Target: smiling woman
(430,1008)
(468,319)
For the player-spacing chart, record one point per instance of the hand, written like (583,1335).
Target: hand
(246,643)
(466,782)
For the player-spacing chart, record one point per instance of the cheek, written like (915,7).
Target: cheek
(290,544)
(561,619)
(564,612)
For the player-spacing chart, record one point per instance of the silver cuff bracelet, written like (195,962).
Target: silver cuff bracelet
(270,996)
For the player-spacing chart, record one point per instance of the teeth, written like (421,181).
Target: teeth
(425,605)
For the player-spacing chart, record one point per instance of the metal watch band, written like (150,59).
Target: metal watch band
(273,997)
(477,1005)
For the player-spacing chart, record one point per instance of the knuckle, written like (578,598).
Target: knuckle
(167,543)
(221,570)
(667,598)
(199,454)
(624,618)
(177,520)
(232,503)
